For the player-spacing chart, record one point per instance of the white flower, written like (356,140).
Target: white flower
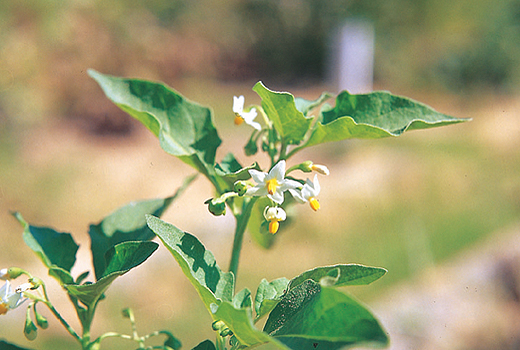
(9,299)
(272,184)
(308,193)
(241,116)
(274,215)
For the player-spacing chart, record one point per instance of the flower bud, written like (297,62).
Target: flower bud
(29,330)
(240,187)
(216,207)
(41,321)
(10,273)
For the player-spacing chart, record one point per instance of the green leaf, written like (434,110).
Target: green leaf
(127,255)
(205,345)
(231,170)
(120,259)
(8,346)
(257,224)
(185,129)
(340,275)
(305,106)
(375,115)
(268,294)
(197,263)
(280,108)
(240,322)
(310,315)
(127,223)
(57,250)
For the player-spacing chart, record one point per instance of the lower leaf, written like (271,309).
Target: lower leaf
(311,314)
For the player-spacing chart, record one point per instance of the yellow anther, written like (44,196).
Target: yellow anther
(315,205)
(273,226)
(271,186)
(238,119)
(4,309)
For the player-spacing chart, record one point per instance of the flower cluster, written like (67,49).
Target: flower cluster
(274,184)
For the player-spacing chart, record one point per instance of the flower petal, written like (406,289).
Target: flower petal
(278,171)
(238,104)
(258,176)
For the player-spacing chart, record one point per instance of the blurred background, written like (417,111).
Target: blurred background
(438,208)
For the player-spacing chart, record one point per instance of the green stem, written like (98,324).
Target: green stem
(242,220)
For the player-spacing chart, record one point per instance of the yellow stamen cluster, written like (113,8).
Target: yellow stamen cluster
(272,185)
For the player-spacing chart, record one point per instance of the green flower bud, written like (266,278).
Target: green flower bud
(11,273)
(240,187)
(216,207)
(41,321)
(306,166)
(29,330)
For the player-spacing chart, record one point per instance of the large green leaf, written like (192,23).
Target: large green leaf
(311,316)
(340,275)
(185,129)
(127,223)
(120,259)
(375,115)
(280,108)
(57,250)
(197,263)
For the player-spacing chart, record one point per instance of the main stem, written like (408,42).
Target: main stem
(242,220)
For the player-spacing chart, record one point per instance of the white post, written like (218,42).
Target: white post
(352,66)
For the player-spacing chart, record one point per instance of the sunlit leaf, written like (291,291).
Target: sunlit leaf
(120,259)
(310,316)
(197,263)
(280,108)
(340,275)
(127,223)
(185,129)
(375,115)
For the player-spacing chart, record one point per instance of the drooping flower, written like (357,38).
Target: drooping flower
(308,193)
(241,116)
(9,299)
(272,184)
(274,215)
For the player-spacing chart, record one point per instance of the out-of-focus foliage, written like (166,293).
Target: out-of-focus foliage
(47,45)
